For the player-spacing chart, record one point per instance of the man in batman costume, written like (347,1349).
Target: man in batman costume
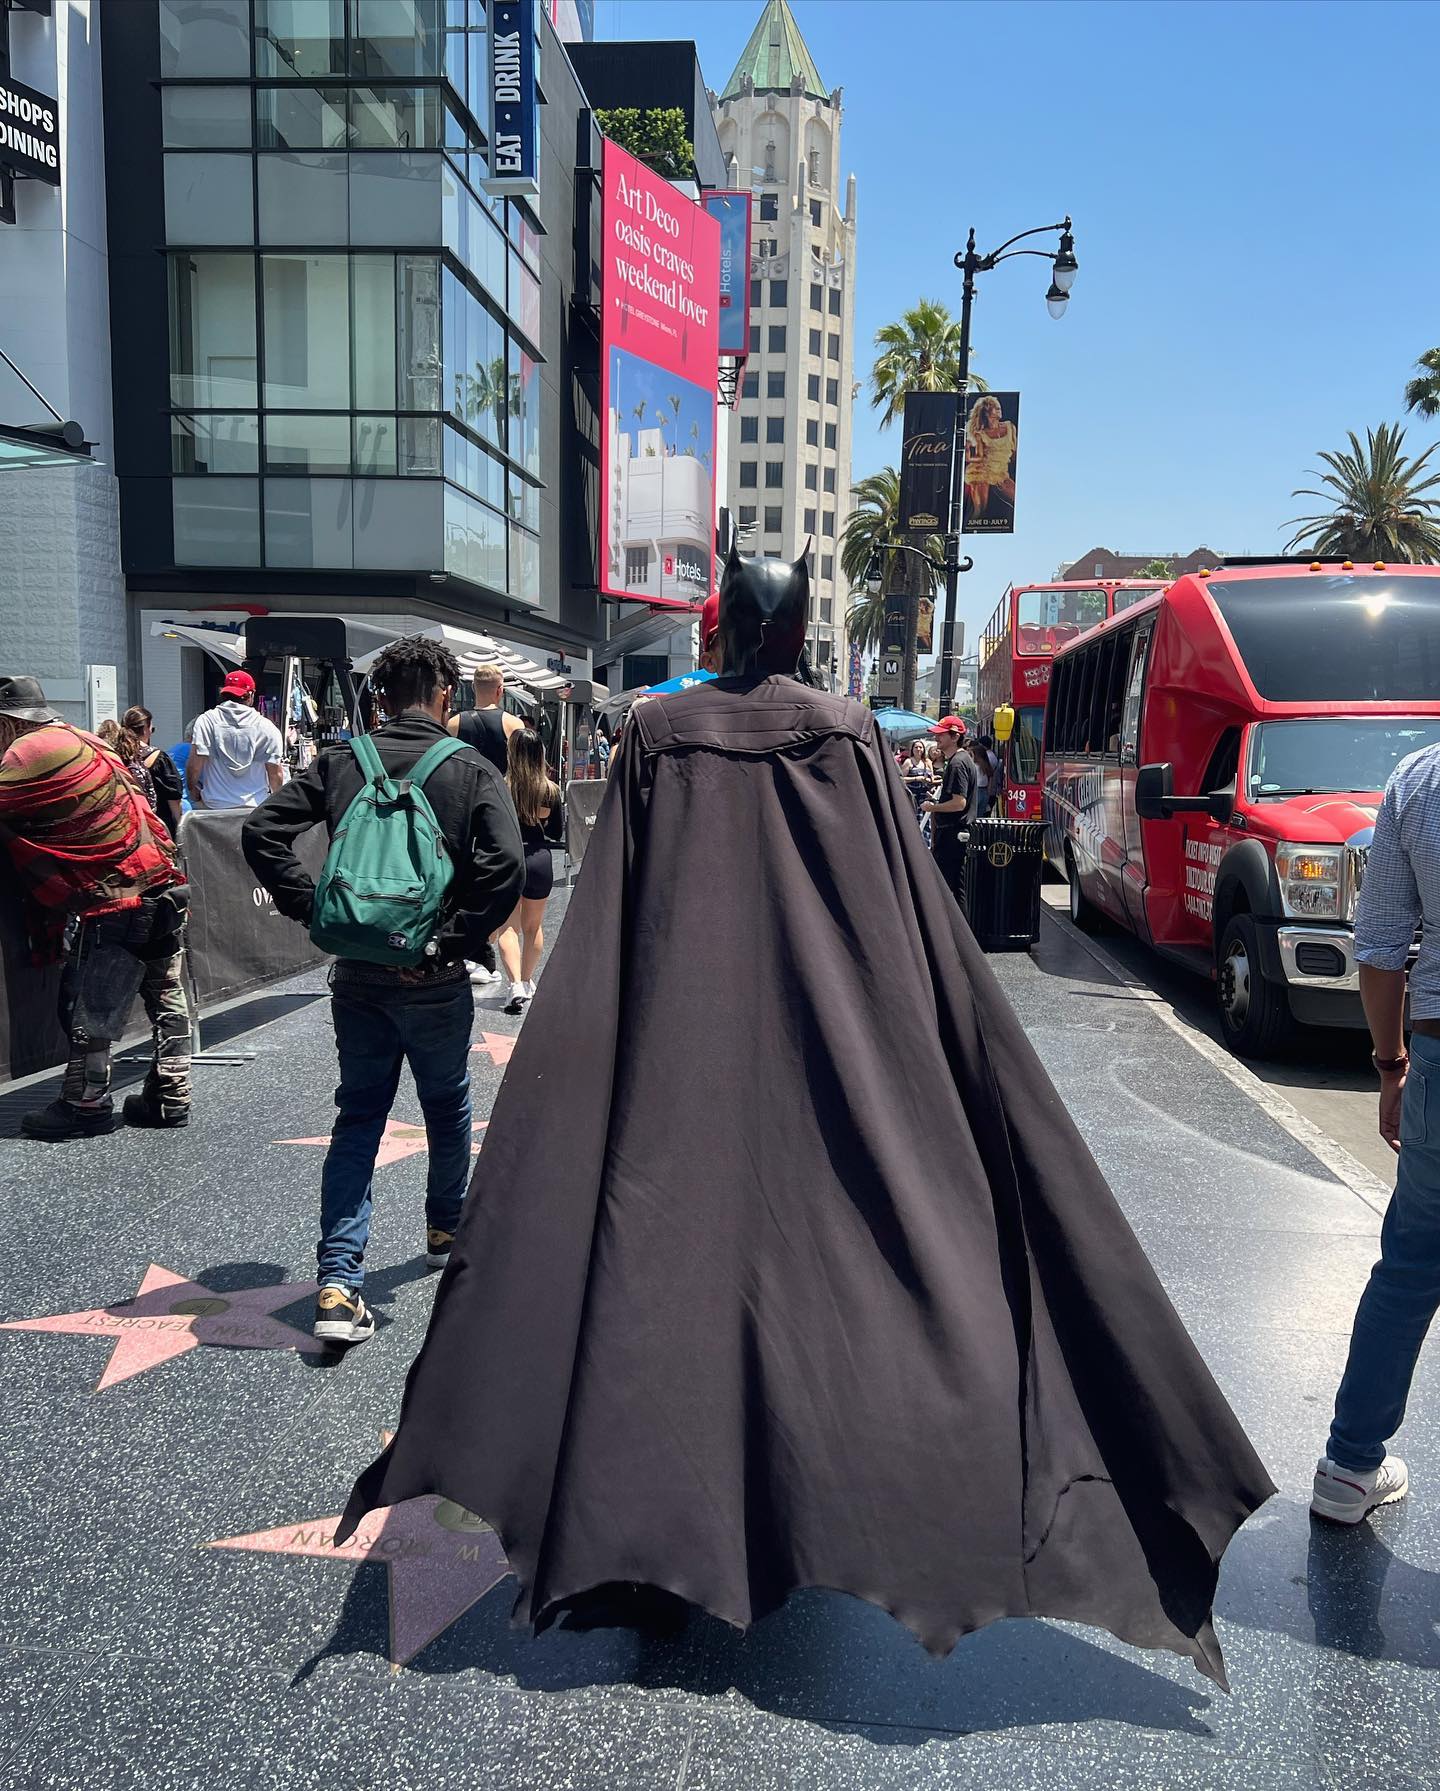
(880,1326)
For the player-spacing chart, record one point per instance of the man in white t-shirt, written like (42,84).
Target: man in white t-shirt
(236,756)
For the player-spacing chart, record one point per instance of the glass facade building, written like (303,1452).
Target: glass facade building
(354,325)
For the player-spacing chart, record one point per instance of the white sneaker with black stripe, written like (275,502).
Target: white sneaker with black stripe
(1346,1495)
(341,1316)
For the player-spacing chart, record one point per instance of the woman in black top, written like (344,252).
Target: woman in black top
(164,772)
(522,939)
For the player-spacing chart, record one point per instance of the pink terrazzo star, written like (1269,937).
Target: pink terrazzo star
(170,1316)
(498,1046)
(440,1560)
(397,1141)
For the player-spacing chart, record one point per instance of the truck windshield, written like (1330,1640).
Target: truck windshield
(1332,638)
(1336,753)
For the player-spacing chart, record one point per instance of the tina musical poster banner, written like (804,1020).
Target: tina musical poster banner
(926,455)
(992,436)
(659,345)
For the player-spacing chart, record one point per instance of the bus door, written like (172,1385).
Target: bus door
(1133,878)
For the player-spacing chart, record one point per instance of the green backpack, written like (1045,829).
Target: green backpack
(388,868)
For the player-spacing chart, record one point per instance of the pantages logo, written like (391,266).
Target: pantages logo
(29,133)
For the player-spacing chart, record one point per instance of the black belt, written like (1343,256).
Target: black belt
(1428,1029)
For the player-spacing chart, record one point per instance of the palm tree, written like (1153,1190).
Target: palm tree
(1156,569)
(875,523)
(920,352)
(1378,509)
(1422,394)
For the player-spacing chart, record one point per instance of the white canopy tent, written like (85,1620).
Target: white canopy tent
(473,650)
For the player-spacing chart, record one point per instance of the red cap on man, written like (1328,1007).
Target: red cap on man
(949,724)
(239,684)
(709,620)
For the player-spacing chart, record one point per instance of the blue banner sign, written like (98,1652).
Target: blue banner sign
(732,212)
(514,116)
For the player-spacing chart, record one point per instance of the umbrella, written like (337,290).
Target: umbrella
(619,706)
(902,724)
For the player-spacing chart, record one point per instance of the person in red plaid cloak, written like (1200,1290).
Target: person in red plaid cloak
(102,889)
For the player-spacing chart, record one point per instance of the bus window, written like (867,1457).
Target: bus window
(1126,598)
(1113,705)
(1025,746)
(1135,690)
(1045,620)
(1085,668)
(1224,763)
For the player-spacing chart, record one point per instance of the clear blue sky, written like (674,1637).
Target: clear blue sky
(1253,184)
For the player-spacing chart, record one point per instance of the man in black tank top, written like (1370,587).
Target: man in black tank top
(487,727)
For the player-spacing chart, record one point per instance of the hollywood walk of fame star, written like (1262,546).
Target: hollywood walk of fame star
(170,1316)
(397,1141)
(439,1559)
(498,1046)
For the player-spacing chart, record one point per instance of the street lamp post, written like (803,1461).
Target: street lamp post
(874,584)
(1064,268)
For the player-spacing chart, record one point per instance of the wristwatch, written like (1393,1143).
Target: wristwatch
(1391,1066)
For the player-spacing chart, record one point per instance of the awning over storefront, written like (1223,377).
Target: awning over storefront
(481,649)
(220,643)
(59,443)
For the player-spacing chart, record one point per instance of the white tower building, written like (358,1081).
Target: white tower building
(789,476)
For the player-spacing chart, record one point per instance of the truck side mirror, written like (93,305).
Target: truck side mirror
(1221,806)
(1154,786)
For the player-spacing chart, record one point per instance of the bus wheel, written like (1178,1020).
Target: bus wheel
(1255,1017)
(1083,912)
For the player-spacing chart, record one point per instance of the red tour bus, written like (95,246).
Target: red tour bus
(1213,761)
(1031,625)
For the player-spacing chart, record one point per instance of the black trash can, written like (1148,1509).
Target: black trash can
(1003,862)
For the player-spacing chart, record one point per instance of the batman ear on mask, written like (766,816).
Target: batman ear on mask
(732,559)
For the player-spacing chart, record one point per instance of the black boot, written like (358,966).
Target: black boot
(62,1119)
(145,1110)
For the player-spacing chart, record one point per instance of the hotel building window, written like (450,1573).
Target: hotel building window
(354,324)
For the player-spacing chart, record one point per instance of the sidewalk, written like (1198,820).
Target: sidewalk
(175,1617)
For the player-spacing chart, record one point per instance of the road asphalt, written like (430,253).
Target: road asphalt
(175,1454)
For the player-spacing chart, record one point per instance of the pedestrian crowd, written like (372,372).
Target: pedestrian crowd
(89,822)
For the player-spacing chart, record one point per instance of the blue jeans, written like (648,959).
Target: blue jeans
(1404,1289)
(376,1030)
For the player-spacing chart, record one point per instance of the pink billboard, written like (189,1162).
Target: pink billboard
(659,346)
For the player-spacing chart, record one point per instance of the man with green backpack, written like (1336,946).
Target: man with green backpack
(425,862)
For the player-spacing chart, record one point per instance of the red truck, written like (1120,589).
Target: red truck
(1214,757)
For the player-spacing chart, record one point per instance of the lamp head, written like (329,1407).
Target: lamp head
(1057,299)
(1066,266)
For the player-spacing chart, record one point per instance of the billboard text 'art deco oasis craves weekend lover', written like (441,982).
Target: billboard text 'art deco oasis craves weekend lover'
(659,344)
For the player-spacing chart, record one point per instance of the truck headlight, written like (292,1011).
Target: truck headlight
(1311,880)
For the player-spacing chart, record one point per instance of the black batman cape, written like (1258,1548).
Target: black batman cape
(783,1264)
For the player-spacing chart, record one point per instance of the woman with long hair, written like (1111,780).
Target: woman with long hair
(164,772)
(522,939)
(127,747)
(919,778)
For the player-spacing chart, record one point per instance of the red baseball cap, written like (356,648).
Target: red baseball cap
(949,724)
(709,619)
(238,684)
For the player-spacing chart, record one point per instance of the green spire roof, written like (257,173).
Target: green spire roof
(775,55)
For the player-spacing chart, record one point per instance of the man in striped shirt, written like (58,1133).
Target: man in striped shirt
(98,872)
(1400,894)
